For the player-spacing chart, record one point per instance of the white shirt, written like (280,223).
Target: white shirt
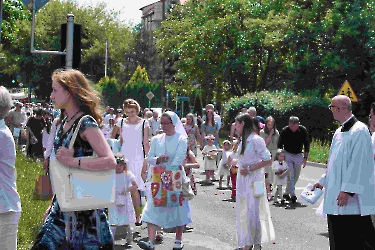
(155,125)
(9,197)
(51,138)
(109,116)
(255,151)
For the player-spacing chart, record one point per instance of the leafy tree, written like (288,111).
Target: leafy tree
(110,91)
(98,25)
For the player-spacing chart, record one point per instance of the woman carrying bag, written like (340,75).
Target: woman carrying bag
(166,207)
(254,225)
(87,229)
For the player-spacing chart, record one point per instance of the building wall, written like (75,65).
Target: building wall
(152,14)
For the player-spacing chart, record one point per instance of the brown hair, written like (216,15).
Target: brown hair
(132,104)
(247,129)
(84,95)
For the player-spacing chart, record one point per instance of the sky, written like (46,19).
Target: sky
(129,8)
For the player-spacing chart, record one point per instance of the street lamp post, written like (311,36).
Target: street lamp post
(163,68)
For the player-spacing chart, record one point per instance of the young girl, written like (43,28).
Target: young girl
(223,165)
(210,154)
(122,212)
(279,166)
(189,163)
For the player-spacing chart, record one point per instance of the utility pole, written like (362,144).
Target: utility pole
(162,88)
(1,17)
(69,42)
(106,58)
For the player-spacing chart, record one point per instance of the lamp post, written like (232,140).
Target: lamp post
(163,68)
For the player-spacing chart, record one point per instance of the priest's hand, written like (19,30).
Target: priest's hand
(316,185)
(342,199)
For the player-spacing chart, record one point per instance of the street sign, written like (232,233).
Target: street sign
(183,98)
(38,4)
(347,90)
(150,95)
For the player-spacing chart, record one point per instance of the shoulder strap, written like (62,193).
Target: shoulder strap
(143,133)
(72,141)
(122,121)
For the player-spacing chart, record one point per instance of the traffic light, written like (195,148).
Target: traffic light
(76,45)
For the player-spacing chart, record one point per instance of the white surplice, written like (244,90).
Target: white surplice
(350,169)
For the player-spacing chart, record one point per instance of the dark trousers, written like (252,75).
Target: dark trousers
(351,232)
(233,177)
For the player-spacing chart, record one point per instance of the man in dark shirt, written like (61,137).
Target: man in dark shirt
(292,139)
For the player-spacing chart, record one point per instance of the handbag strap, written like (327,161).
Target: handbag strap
(74,137)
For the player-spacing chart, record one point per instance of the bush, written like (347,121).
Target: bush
(312,111)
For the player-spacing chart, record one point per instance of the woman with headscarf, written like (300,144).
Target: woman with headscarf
(165,206)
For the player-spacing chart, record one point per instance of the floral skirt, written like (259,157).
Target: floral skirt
(90,230)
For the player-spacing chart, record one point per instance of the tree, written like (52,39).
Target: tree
(110,91)
(98,25)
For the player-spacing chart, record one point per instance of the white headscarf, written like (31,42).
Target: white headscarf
(179,128)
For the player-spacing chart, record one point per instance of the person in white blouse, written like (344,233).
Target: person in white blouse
(10,202)
(254,224)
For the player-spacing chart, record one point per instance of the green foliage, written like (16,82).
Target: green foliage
(98,25)
(319,151)
(32,210)
(312,111)
(139,77)
(110,91)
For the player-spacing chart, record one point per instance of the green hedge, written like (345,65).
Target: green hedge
(311,110)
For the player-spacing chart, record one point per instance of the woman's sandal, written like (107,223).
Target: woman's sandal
(159,236)
(148,244)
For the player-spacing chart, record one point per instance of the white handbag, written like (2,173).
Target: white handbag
(258,187)
(78,189)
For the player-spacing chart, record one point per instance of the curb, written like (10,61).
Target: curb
(315,164)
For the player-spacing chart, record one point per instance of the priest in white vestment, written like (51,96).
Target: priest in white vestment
(349,182)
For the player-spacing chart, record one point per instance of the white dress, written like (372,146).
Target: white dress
(254,225)
(122,215)
(224,160)
(208,163)
(276,167)
(132,148)
(167,217)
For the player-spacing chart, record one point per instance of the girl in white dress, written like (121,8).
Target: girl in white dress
(224,169)
(135,146)
(279,166)
(254,225)
(210,155)
(122,212)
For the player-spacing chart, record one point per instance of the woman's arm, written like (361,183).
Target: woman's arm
(95,138)
(197,134)
(146,143)
(203,135)
(133,188)
(114,132)
(151,157)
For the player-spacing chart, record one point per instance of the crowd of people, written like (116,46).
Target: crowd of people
(158,152)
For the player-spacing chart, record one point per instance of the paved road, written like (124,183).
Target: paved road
(214,224)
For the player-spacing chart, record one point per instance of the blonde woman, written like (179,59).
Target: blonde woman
(81,229)
(192,131)
(133,132)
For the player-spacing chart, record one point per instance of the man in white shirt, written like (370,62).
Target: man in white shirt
(15,119)
(154,123)
(349,182)
(110,115)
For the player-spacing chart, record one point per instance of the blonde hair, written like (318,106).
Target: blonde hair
(192,119)
(84,95)
(131,104)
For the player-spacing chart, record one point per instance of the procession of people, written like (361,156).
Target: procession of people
(157,155)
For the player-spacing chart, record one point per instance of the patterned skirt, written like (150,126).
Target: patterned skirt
(87,230)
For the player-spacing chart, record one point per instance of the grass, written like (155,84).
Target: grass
(319,151)
(32,210)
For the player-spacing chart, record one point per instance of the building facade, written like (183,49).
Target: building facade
(152,14)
